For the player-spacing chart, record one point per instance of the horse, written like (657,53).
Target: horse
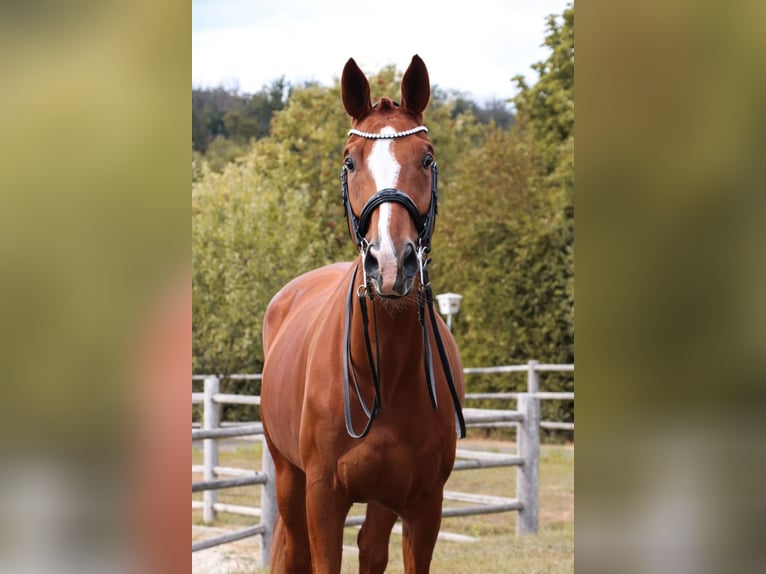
(351,345)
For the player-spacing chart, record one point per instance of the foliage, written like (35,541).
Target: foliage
(510,212)
(548,105)
(224,122)
(224,114)
(548,110)
(507,256)
(248,233)
(223,150)
(494,111)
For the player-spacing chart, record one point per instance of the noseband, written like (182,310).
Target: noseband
(424,226)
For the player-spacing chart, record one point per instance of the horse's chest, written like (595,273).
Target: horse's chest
(388,472)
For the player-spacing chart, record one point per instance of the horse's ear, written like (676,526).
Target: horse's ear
(355,90)
(416,88)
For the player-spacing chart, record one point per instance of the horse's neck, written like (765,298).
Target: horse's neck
(395,333)
(396,319)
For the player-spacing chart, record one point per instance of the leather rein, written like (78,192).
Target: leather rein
(424,226)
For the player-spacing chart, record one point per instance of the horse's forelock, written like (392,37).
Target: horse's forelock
(386,105)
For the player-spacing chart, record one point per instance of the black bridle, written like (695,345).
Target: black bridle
(424,224)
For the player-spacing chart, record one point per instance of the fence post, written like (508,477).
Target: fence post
(268,505)
(532,380)
(528,474)
(211,417)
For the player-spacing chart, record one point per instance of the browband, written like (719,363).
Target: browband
(386,136)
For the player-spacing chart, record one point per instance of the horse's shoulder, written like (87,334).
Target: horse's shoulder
(322,275)
(300,293)
(312,281)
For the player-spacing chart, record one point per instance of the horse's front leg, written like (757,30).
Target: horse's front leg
(290,544)
(326,511)
(420,528)
(373,539)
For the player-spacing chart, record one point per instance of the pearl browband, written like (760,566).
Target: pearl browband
(387,136)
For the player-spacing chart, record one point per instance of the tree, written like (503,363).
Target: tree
(494,111)
(208,109)
(510,212)
(548,105)
(496,212)
(222,113)
(548,110)
(250,236)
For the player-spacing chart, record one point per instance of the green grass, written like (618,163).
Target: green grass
(499,550)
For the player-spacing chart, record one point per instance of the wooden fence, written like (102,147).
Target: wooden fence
(526,418)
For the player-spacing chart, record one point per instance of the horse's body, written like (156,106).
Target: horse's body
(400,466)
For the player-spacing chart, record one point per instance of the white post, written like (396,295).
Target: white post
(532,380)
(449,305)
(268,505)
(528,474)
(211,416)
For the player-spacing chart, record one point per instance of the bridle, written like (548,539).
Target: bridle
(424,226)
(360,225)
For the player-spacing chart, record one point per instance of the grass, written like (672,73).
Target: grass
(499,550)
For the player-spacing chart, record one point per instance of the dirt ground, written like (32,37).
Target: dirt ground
(241,556)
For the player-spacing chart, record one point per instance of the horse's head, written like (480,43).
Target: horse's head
(389,178)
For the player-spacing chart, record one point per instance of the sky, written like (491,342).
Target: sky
(474,47)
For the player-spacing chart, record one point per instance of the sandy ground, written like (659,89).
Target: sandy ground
(239,557)
(236,557)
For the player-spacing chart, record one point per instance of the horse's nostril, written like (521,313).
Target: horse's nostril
(409,260)
(371,266)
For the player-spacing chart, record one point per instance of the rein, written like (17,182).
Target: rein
(424,226)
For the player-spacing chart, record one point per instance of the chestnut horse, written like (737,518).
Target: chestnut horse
(350,344)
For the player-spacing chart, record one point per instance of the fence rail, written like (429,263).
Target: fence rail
(526,418)
(531,368)
(220,483)
(519,368)
(259,530)
(227,432)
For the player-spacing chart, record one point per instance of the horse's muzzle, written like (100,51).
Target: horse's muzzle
(392,274)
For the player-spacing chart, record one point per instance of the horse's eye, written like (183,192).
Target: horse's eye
(428,161)
(349,163)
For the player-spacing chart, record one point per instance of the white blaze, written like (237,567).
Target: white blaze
(385,171)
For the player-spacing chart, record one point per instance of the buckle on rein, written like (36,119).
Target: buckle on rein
(424,290)
(363,289)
